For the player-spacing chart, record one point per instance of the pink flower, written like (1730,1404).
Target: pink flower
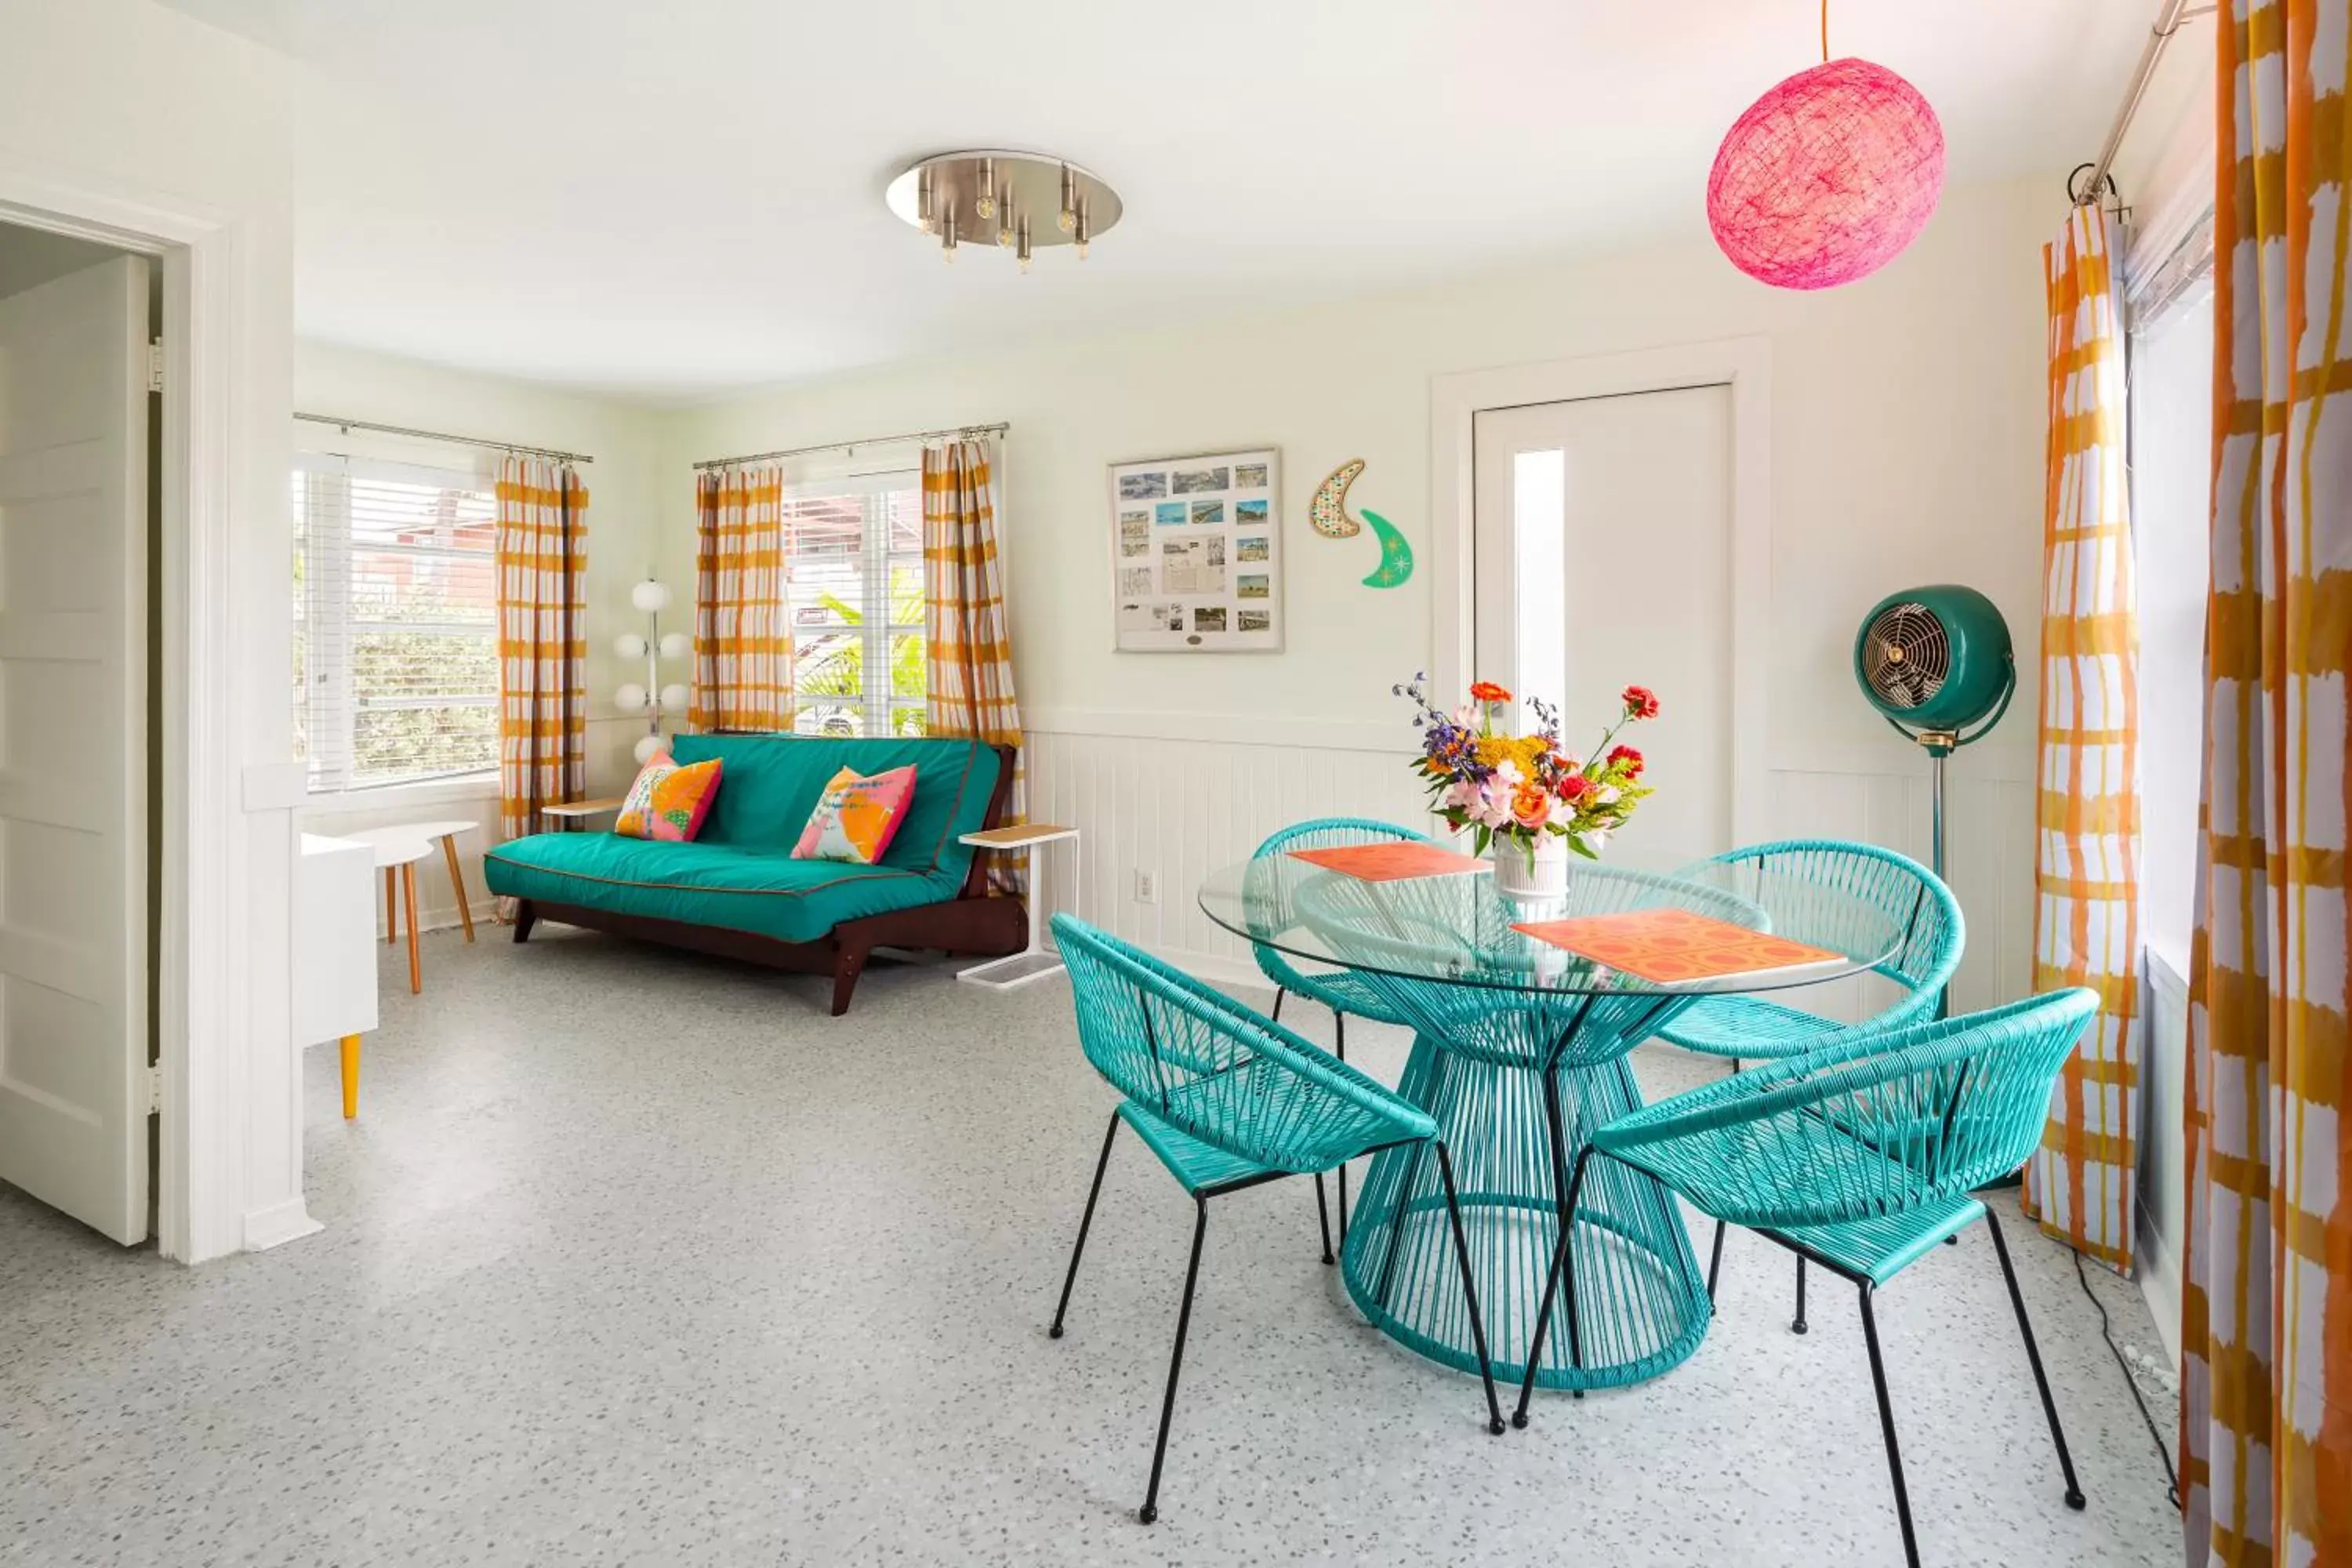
(1641,702)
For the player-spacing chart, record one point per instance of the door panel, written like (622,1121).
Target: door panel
(73,746)
(1603,560)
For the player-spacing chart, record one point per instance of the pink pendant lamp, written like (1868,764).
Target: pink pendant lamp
(1828,176)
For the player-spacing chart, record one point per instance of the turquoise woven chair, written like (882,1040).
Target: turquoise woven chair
(1227,1099)
(1342,992)
(1853,878)
(1860,1157)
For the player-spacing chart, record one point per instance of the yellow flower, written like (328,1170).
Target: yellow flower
(1525,750)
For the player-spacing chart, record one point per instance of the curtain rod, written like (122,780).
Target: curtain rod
(347,425)
(2170,16)
(999,428)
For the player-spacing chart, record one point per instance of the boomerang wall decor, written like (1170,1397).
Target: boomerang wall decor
(1329,516)
(1196,553)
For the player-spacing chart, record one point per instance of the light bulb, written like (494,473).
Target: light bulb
(646,748)
(1085,230)
(677,645)
(650,597)
(984,206)
(948,235)
(1068,218)
(1021,240)
(1004,224)
(629,645)
(674,698)
(630,698)
(924,219)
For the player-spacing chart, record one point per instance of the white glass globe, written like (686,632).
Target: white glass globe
(677,645)
(650,596)
(674,697)
(646,748)
(629,645)
(630,698)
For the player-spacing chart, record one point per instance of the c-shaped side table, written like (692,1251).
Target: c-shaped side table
(1031,962)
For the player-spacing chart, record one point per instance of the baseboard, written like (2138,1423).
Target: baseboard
(278,1223)
(2159,1287)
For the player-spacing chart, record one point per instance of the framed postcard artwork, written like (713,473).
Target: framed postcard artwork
(1196,553)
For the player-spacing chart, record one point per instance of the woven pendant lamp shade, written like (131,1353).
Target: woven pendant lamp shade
(1827,177)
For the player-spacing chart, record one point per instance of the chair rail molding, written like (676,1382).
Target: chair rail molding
(230,1158)
(1745,365)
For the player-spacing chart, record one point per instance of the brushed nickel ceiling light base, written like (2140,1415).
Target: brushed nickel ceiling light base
(1010,200)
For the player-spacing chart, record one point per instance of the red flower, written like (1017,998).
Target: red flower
(1488,691)
(1630,757)
(1641,702)
(1573,787)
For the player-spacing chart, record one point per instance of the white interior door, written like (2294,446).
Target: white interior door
(1605,559)
(74,1044)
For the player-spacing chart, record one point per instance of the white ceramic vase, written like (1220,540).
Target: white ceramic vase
(1546,878)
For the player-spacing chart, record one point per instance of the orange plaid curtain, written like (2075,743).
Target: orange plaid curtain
(542,561)
(2081,1183)
(742,647)
(2267,1320)
(969,641)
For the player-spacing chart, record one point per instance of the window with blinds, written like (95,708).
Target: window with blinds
(854,594)
(395,615)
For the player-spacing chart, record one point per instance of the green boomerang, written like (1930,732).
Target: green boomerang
(1396,555)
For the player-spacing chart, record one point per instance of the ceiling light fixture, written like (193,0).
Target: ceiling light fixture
(998,193)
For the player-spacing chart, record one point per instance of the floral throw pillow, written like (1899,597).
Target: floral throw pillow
(856,816)
(668,802)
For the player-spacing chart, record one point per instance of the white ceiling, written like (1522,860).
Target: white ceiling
(681,199)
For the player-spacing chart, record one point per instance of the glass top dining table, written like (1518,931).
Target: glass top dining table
(1519,1054)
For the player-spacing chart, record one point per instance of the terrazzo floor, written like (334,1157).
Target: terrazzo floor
(637,1258)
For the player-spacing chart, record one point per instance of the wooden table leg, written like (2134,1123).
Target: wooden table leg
(391,907)
(458,883)
(408,896)
(350,1077)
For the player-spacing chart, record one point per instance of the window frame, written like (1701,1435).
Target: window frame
(325,613)
(877,628)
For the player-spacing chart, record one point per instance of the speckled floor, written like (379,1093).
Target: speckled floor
(637,1258)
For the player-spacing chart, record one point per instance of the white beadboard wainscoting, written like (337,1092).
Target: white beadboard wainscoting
(1178,795)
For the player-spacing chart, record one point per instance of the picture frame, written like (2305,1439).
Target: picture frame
(1196,552)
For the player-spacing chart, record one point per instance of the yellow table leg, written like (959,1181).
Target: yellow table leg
(458,883)
(350,1077)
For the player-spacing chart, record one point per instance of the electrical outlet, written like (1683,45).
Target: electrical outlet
(1146,887)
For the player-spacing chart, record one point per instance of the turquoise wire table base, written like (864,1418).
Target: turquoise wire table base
(1641,1300)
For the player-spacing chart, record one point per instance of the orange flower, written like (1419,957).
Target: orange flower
(1488,691)
(1530,807)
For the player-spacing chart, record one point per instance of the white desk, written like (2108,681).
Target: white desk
(334,951)
(1034,963)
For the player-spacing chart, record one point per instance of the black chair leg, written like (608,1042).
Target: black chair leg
(1084,1221)
(1797,1324)
(1323,1217)
(1278,995)
(1886,1425)
(1714,1263)
(1470,1292)
(1151,1509)
(2075,1498)
(1564,1263)
(1339,1033)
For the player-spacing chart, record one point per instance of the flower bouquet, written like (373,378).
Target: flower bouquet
(1522,795)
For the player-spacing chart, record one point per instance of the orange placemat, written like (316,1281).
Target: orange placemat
(1394,861)
(1664,946)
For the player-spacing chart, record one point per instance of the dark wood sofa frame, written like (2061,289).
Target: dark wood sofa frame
(970,925)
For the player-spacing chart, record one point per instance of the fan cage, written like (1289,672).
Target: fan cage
(1907,655)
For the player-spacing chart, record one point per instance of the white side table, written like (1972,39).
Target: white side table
(1034,963)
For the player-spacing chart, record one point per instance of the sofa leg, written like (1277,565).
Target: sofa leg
(525,918)
(847,965)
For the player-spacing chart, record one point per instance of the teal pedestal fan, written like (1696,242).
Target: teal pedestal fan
(1937,664)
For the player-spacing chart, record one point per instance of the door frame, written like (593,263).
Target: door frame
(1745,365)
(220,1036)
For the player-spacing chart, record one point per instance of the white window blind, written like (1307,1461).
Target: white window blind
(854,591)
(395,605)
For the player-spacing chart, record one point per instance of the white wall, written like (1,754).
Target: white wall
(1907,447)
(123,104)
(623,546)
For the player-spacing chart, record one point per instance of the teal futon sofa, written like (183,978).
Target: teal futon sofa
(737,890)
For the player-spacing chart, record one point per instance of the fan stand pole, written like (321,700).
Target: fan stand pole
(1938,756)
